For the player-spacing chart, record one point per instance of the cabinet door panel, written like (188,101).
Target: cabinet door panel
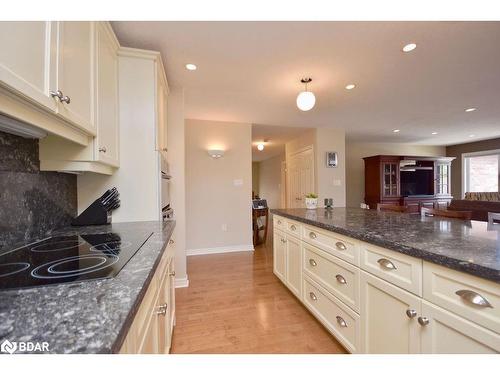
(75,72)
(107,147)
(28,60)
(294,265)
(279,255)
(385,326)
(161,113)
(448,333)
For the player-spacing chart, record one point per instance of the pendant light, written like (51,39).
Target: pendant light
(306,99)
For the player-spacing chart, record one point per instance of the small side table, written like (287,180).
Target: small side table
(256,213)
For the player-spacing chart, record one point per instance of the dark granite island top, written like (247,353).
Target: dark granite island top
(89,316)
(468,246)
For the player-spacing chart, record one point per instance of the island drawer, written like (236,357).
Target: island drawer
(293,227)
(339,319)
(341,246)
(279,223)
(399,269)
(466,295)
(338,277)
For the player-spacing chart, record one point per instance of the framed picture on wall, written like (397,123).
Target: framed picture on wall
(331,159)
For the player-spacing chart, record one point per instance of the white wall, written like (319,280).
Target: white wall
(356,151)
(212,199)
(270,180)
(176,161)
(138,178)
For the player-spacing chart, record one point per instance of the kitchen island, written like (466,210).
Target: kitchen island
(91,316)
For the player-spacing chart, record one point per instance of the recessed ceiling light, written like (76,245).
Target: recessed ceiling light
(434,133)
(350,86)
(191,67)
(472,135)
(470,109)
(409,47)
(396,131)
(260,146)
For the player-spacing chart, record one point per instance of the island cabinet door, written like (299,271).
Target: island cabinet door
(294,265)
(279,255)
(389,318)
(446,333)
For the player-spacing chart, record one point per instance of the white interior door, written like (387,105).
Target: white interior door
(28,59)
(300,177)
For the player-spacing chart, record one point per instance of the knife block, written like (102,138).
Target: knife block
(95,214)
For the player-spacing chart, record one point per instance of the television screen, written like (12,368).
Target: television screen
(418,182)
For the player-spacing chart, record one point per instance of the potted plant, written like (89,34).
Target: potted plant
(312,201)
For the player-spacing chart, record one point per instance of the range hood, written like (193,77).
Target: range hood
(22,129)
(411,166)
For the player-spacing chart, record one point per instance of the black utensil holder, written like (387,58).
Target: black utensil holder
(95,214)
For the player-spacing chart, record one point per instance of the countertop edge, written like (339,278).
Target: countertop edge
(442,260)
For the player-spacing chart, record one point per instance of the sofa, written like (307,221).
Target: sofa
(479,203)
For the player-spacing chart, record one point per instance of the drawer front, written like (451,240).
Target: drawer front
(338,277)
(471,297)
(279,223)
(293,227)
(339,319)
(399,269)
(341,246)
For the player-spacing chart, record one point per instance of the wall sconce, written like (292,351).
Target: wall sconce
(216,154)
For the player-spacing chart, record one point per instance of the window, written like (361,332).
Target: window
(481,172)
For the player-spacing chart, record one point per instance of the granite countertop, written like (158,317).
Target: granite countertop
(468,246)
(90,316)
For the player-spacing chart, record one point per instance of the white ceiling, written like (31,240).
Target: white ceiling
(276,137)
(250,72)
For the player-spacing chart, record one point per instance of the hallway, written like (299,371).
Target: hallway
(235,304)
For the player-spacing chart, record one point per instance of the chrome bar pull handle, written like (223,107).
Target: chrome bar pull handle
(162,310)
(341,321)
(102,149)
(341,279)
(293,227)
(473,298)
(313,296)
(341,246)
(387,264)
(410,313)
(312,262)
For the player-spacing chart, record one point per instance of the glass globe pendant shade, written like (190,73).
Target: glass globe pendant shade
(306,100)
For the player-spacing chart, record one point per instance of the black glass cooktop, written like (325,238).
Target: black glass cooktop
(65,259)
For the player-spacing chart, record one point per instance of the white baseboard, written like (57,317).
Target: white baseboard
(219,250)
(182,282)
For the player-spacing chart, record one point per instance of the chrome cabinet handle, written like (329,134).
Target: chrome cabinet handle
(312,262)
(410,313)
(164,149)
(341,246)
(312,235)
(171,273)
(341,279)
(313,296)
(171,241)
(293,227)
(283,240)
(387,264)
(279,222)
(473,298)
(341,321)
(423,321)
(65,99)
(162,310)
(57,94)
(102,149)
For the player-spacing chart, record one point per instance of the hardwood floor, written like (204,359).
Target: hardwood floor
(235,304)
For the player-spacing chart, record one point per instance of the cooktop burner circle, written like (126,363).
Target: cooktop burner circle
(48,271)
(56,246)
(8,269)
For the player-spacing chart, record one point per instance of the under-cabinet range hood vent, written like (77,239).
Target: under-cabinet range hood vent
(411,166)
(22,129)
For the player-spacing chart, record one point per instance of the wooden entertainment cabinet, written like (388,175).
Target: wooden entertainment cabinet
(414,181)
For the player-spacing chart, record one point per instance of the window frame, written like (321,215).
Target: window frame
(465,166)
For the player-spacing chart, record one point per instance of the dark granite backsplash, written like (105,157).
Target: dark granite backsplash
(32,203)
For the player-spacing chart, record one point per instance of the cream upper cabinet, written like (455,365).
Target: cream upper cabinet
(389,318)
(106,145)
(28,59)
(76,72)
(445,332)
(161,111)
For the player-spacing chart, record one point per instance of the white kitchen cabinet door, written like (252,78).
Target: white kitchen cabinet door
(107,140)
(28,59)
(294,265)
(76,72)
(161,112)
(389,318)
(279,255)
(171,304)
(447,333)
(162,315)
